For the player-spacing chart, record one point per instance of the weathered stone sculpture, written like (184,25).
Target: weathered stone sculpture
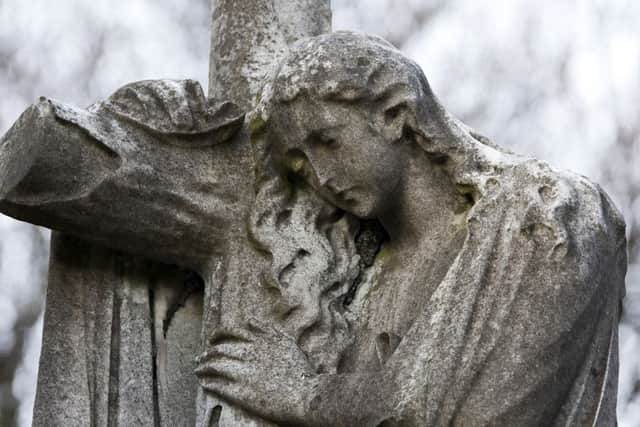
(392,268)
(494,300)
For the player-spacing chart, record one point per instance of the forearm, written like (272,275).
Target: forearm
(355,399)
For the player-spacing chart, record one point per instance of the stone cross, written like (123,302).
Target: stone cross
(362,257)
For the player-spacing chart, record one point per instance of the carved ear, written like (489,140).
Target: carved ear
(394,120)
(172,107)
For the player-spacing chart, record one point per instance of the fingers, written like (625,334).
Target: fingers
(234,351)
(227,334)
(222,368)
(252,330)
(230,391)
(208,375)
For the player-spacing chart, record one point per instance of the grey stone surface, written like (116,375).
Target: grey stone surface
(168,133)
(494,300)
(248,37)
(366,259)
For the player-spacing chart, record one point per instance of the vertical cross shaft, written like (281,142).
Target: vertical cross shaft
(248,36)
(247,39)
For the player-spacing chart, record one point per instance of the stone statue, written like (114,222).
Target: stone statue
(492,301)
(392,266)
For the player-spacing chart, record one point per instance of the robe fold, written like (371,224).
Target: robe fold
(522,331)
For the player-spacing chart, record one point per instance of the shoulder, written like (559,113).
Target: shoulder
(563,215)
(566,197)
(570,220)
(546,194)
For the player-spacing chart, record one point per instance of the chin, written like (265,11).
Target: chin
(361,210)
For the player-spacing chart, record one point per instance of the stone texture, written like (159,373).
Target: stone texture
(365,258)
(248,37)
(103,176)
(162,132)
(495,299)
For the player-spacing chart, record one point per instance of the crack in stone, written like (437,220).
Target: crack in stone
(114,355)
(154,356)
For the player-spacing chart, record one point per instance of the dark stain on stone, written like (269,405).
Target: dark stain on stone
(191,285)
(369,241)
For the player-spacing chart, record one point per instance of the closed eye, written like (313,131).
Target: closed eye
(322,139)
(391,114)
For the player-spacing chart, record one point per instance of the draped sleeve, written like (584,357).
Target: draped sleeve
(523,328)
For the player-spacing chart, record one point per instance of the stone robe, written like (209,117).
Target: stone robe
(522,329)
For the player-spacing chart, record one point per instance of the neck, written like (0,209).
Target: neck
(423,221)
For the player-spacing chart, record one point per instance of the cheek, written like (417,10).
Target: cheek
(387,179)
(384,168)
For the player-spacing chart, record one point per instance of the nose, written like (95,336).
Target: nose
(322,173)
(325,179)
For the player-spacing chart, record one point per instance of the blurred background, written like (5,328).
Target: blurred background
(554,79)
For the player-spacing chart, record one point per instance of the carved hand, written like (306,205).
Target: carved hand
(258,369)
(266,373)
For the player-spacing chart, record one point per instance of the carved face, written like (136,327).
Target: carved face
(349,161)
